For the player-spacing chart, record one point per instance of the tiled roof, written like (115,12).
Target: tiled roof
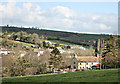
(87,59)
(41,50)
(97,65)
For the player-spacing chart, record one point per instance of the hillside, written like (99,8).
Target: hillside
(69,37)
(105,75)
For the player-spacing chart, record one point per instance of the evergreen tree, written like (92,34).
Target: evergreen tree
(44,44)
(110,52)
(55,58)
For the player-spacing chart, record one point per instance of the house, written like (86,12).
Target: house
(17,39)
(78,47)
(22,53)
(48,42)
(71,46)
(69,51)
(9,35)
(39,51)
(82,48)
(5,51)
(33,46)
(84,62)
(60,49)
(25,47)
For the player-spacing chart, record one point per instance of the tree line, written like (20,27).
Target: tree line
(110,53)
(75,38)
(27,38)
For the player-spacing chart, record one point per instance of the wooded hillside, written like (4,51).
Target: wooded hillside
(70,37)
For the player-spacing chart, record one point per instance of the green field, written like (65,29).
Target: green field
(61,42)
(108,75)
(23,43)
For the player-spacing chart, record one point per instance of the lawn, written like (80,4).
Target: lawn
(61,42)
(105,75)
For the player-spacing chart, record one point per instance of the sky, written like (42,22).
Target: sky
(90,17)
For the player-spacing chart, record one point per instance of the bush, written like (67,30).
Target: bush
(82,69)
(5,72)
(41,69)
(30,71)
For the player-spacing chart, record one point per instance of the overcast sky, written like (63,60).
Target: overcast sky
(95,17)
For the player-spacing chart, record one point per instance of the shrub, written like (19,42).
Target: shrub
(41,69)
(30,71)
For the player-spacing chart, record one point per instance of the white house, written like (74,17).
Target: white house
(5,51)
(82,48)
(84,62)
(22,53)
(60,49)
(69,51)
(39,51)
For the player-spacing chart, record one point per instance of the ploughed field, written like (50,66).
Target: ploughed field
(104,75)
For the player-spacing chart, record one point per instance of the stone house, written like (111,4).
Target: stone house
(84,62)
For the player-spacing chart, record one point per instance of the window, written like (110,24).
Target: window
(80,63)
(87,64)
(74,62)
(74,67)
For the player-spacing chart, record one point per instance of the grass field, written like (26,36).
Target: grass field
(61,42)
(108,75)
(23,43)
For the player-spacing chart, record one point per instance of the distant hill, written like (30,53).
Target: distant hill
(70,37)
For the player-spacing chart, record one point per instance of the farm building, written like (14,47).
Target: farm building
(84,62)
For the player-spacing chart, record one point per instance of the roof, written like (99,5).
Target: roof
(41,49)
(87,59)
(97,65)
(101,57)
